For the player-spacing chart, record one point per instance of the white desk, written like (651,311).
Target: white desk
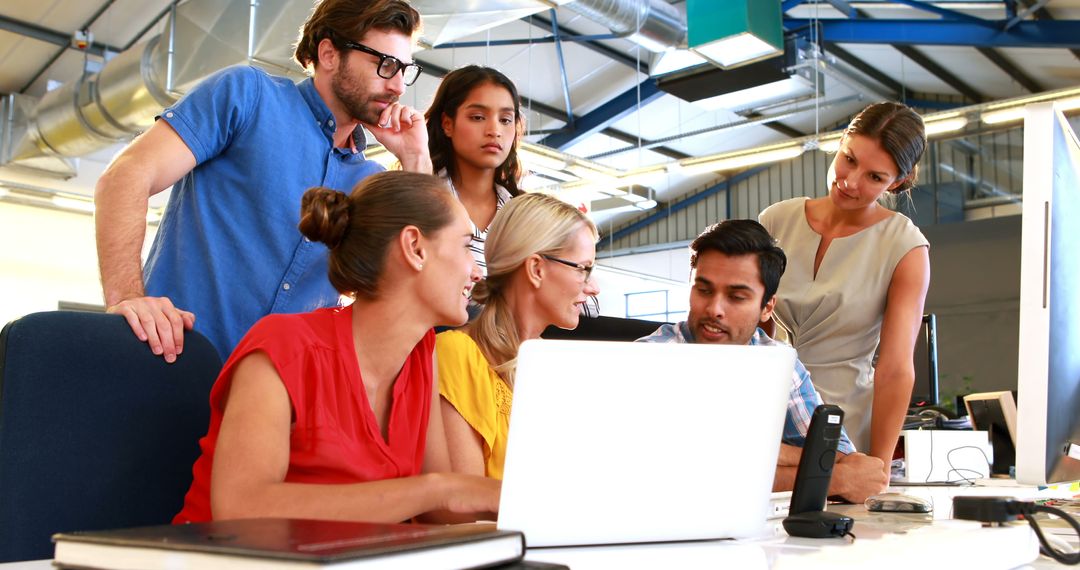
(784,553)
(780,551)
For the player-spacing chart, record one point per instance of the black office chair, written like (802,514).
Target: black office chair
(604,328)
(95,431)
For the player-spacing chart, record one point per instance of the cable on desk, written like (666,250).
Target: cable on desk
(953,468)
(1005,509)
(1029,509)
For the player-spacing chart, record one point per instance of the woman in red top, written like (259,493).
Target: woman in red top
(329,414)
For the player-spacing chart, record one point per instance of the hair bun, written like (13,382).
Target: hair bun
(324,215)
(909,182)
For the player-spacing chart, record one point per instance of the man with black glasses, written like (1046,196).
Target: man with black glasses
(240,150)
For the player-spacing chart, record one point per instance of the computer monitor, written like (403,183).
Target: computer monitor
(925,390)
(1048,407)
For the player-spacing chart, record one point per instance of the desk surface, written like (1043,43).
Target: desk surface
(935,537)
(879,534)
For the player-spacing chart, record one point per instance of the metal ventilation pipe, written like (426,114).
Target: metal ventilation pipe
(121,100)
(98,110)
(653,24)
(200,37)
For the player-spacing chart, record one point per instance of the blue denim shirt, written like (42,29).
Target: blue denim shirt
(228,248)
(802,399)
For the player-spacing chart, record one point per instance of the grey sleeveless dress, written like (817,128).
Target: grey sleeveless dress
(834,320)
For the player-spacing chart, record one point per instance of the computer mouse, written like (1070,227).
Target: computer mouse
(897,503)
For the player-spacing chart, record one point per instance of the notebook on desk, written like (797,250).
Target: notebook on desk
(615,442)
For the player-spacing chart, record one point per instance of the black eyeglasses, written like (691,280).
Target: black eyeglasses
(586,269)
(388,64)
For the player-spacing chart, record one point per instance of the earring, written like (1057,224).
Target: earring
(420,267)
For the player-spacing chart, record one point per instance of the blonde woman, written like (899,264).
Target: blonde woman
(540,254)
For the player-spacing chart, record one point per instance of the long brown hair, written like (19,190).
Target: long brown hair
(452,92)
(359,227)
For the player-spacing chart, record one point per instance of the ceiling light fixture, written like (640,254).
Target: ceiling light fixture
(533,154)
(940,127)
(732,161)
(1016,113)
(594,171)
(1008,111)
(830,143)
(644,176)
(74,204)
(731,33)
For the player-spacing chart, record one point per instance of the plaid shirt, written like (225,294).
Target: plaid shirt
(802,399)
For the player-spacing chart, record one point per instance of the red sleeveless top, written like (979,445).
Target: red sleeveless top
(335,438)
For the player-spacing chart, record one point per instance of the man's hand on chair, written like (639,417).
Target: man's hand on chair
(157,322)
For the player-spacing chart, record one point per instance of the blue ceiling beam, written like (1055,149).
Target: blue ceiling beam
(605,115)
(1028,34)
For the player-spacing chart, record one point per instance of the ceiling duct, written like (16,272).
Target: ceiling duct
(653,24)
(662,28)
(121,100)
(784,78)
(199,37)
(447,21)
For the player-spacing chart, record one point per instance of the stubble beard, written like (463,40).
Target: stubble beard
(355,98)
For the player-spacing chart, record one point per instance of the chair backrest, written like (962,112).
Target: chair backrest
(603,328)
(95,431)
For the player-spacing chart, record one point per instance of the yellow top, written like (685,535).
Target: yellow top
(468,382)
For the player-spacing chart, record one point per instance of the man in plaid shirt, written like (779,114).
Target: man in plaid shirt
(735,270)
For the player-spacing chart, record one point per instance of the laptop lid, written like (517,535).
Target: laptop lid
(614,442)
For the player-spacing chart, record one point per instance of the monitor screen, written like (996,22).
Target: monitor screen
(925,390)
(1048,407)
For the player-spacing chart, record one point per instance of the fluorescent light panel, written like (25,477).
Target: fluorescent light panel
(531,158)
(731,162)
(943,126)
(1067,100)
(730,33)
(73,204)
(737,50)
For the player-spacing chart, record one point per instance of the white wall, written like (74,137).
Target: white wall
(673,263)
(659,271)
(46,256)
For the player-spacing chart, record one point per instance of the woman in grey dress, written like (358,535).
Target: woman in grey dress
(857,276)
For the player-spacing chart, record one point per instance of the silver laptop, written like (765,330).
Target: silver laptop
(614,442)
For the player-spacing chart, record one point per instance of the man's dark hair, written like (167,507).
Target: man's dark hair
(744,237)
(341,20)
